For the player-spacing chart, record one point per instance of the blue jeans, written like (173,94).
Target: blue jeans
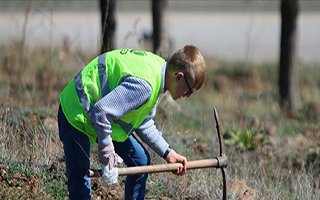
(76,147)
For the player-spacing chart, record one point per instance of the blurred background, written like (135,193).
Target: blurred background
(232,30)
(263,76)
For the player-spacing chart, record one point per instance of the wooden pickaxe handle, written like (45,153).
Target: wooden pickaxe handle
(169,167)
(219,162)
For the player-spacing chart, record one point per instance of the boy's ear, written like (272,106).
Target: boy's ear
(179,75)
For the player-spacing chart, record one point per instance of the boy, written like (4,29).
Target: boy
(114,95)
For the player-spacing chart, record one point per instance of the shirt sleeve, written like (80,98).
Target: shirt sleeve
(150,135)
(129,95)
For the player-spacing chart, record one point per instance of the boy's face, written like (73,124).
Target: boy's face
(181,86)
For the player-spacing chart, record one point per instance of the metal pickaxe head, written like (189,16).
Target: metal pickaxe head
(221,154)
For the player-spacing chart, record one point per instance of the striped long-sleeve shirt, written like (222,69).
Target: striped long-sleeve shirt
(131,93)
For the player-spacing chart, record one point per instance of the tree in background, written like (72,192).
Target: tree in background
(158,7)
(288,69)
(108,24)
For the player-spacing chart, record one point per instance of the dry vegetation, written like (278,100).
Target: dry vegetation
(271,155)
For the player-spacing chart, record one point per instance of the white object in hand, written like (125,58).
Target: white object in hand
(109,176)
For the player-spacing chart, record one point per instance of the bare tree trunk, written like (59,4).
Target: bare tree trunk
(108,24)
(158,7)
(288,80)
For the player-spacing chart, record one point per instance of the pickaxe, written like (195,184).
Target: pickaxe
(220,161)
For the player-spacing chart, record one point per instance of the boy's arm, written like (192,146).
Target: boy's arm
(129,95)
(150,135)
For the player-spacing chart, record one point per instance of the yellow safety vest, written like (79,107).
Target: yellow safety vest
(102,75)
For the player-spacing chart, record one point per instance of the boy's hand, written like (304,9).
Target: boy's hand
(174,157)
(108,160)
(108,157)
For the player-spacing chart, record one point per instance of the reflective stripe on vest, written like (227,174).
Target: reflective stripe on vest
(103,82)
(84,100)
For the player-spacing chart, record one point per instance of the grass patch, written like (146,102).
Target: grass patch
(246,98)
(245,138)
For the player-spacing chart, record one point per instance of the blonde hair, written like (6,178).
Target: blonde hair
(189,60)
